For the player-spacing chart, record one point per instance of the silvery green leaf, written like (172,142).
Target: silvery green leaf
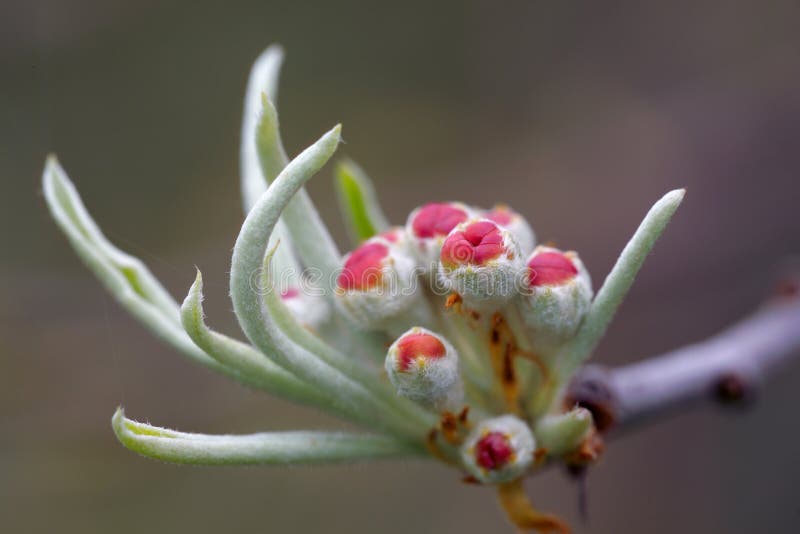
(301,447)
(358,202)
(71,215)
(619,281)
(263,80)
(309,236)
(248,254)
(258,173)
(124,276)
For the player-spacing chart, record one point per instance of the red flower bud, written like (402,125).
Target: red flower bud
(476,244)
(428,226)
(499,450)
(363,268)
(437,219)
(481,261)
(423,367)
(493,451)
(550,268)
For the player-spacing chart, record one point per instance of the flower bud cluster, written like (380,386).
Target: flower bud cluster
(479,255)
(488,258)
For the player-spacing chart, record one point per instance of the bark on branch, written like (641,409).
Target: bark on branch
(726,367)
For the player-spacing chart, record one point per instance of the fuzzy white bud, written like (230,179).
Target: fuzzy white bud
(423,366)
(378,287)
(499,450)
(480,260)
(558,294)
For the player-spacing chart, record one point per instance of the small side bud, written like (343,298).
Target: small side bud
(377,287)
(428,226)
(560,434)
(558,294)
(423,367)
(481,261)
(310,310)
(514,223)
(499,450)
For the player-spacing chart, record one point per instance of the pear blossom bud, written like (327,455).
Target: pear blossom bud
(499,450)
(428,226)
(480,260)
(558,294)
(514,223)
(311,311)
(423,367)
(377,287)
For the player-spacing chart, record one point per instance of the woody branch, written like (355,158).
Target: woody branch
(729,366)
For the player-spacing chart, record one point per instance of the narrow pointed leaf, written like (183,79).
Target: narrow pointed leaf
(619,280)
(309,236)
(303,447)
(358,202)
(124,276)
(263,80)
(255,176)
(70,214)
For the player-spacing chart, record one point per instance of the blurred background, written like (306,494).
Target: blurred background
(579,115)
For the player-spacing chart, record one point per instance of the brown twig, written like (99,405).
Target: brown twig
(727,367)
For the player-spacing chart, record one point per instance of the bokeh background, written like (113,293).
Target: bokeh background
(577,114)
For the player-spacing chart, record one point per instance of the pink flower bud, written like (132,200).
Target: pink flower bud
(514,223)
(428,226)
(377,287)
(476,243)
(557,296)
(499,450)
(423,366)
(493,451)
(480,261)
(363,268)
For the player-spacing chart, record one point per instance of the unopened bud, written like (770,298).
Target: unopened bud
(558,294)
(514,223)
(562,433)
(312,311)
(499,450)
(428,226)
(480,261)
(423,367)
(377,287)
